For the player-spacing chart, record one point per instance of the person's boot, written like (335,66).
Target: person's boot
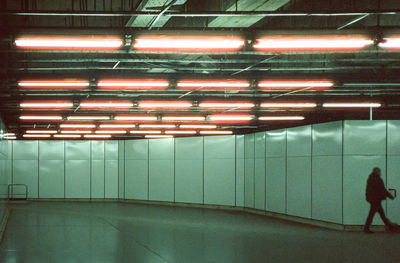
(367,230)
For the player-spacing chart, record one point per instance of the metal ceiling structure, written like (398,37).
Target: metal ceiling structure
(370,74)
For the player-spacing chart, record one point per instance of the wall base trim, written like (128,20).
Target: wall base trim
(269,214)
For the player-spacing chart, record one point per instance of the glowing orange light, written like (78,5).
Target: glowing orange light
(69,43)
(184,118)
(166,105)
(170,43)
(42,118)
(390,43)
(233,105)
(312,43)
(295,84)
(133,84)
(106,105)
(56,104)
(59,84)
(227,84)
(230,118)
(135,117)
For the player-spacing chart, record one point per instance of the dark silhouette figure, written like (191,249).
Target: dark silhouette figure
(375,194)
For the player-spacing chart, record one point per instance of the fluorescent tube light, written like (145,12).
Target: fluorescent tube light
(195,126)
(351,105)
(144,132)
(106,104)
(216,132)
(165,104)
(157,126)
(226,105)
(53,84)
(171,43)
(9,134)
(230,118)
(312,43)
(10,137)
(280,118)
(294,84)
(88,118)
(69,42)
(135,118)
(287,105)
(133,84)
(180,132)
(46,105)
(39,117)
(390,43)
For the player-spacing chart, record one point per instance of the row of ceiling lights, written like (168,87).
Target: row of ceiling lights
(185,84)
(184,105)
(209,43)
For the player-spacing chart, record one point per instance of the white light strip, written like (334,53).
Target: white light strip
(67,136)
(41,131)
(97,136)
(36,135)
(105,105)
(158,136)
(294,84)
(9,134)
(132,84)
(390,43)
(180,132)
(68,43)
(53,84)
(216,132)
(77,126)
(288,105)
(231,118)
(117,125)
(24,117)
(164,105)
(144,132)
(46,105)
(351,105)
(10,137)
(157,126)
(187,126)
(88,118)
(113,132)
(312,43)
(135,118)
(226,105)
(183,118)
(188,44)
(280,118)
(219,84)
(65,131)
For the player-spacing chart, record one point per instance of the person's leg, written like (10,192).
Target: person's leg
(383,216)
(371,214)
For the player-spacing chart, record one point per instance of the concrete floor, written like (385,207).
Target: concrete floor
(120,232)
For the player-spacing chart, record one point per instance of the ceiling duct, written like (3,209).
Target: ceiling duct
(246,5)
(151,6)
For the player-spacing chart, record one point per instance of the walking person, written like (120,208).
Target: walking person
(375,194)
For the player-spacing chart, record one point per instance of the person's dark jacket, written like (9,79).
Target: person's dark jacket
(376,190)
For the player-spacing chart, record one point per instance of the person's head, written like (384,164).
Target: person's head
(376,171)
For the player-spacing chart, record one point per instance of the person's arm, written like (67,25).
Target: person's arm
(383,189)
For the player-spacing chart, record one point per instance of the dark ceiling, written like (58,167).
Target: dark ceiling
(371,74)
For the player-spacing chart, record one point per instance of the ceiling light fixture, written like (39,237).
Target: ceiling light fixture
(106,104)
(392,42)
(41,131)
(351,105)
(54,84)
(294,84)
(183,118)
(117,125)
(36,135)
(40,117)
(219,105)
(165,104)
(179,43)
(110,131)
(144,132)
(88,118)
(312,43)
(180,132)
(216,132)
(231,117)
(77,126)
(281,118)
(76,131)
(135,118)
(157,126)
(288,105)
(158,136)
(133,84)
(47,105)
(69,43)
(97,136)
